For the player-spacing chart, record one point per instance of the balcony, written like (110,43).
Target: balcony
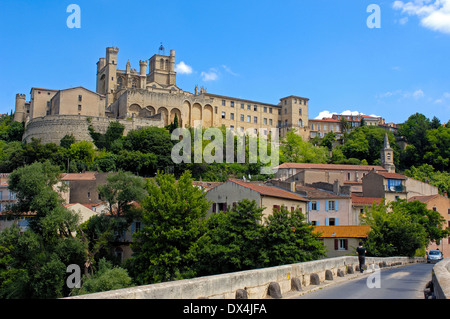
(396,189)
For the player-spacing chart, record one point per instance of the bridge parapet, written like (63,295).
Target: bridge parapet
(441,279)
(255,282)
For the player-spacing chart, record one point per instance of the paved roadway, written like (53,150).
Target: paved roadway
(405,282)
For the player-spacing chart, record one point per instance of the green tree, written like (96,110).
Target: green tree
(294,150)
(106,277)
(233,241)
(67,140)
(426,173)
(401,228)
(120,190)
(290,239)
(33,264)
(165,247)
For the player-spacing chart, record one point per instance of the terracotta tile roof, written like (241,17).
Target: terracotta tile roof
(325,120)
(391,175)
(332,167)
(365,200)
(206,185)
(87,176)
(422,199)
(269,190)
(344,231)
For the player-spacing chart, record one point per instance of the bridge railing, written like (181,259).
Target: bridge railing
(441,279)
(252,284)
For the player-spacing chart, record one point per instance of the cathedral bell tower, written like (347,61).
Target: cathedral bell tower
(387,156)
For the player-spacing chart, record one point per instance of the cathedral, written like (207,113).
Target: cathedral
(149,96)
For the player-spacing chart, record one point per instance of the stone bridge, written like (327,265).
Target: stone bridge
(258,283)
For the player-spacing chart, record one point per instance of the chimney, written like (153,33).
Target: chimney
(292,184)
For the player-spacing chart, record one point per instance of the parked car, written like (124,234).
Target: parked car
(434,256)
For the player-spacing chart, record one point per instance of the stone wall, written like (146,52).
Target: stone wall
(52,128)
(441,279)
(255,282)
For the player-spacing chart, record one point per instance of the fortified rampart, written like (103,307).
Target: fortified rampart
(52,128)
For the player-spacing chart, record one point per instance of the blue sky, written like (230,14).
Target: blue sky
(260,50)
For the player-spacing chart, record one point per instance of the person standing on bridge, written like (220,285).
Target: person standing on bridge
(361,250)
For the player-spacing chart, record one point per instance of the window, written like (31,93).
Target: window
(265,121)
(232,103)
(249,118)
(300,111)
(249,107)
(285,110)
(79,107)
(215,109)
(223,115)
(270,110)
(318,127)
(242,117)
(255,119)
(232,127)
(349,176)
(265,109)
(80,98)
(242,106)
(341,244)
(314,206)
(270,121)
(255,108)
(276,207)
(331,205)
(231,116)
(223,103)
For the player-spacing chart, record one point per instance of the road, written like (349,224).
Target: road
(405,282)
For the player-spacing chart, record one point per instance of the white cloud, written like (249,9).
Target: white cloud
(328,114)
(228,70)
(403,20)
(433,14)
(183,68)
(418,94)
(324,114)
(212,75)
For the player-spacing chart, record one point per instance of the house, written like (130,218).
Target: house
(326,207)
(308,173)
(83,187)
(359,204)
(342,240)
(440,204)
(233,191)
(391,186)
(84,211)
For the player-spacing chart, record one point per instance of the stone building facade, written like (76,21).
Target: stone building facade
(150,97)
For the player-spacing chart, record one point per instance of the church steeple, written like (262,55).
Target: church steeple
(387,156)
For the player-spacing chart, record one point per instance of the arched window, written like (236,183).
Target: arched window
(161,64)
(300,123)
(167,65)
(134,84)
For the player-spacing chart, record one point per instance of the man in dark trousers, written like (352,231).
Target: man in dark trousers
(361,250)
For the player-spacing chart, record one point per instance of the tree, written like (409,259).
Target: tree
(67,140)
(401,228)
(165,247)
(294,150)
(33,264)
(289,239)
(107,277)
(233,241)
(426,173)
(120,190)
